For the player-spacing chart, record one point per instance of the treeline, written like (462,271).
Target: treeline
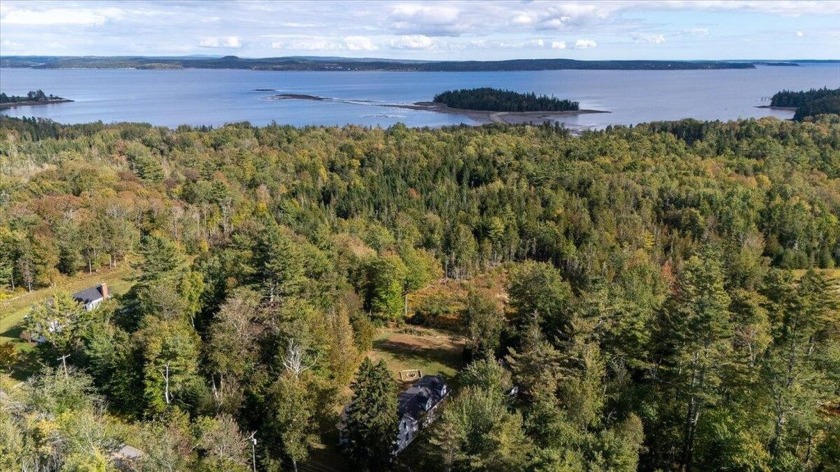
(33,96)
(651,317)
(791,99)
(490,99)
(347,64)
(809,103)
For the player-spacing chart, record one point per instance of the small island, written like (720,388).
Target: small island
(808,103)
(482,105)
(37,97)
(490,99)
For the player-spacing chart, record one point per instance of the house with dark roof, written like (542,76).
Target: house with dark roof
(417,408)
(92,297)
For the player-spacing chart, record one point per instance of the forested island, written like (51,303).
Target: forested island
(490,99)
(656,297)
(349,64)
(808,103)
(483,105)
(37,97)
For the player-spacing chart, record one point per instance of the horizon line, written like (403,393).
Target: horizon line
(215,56)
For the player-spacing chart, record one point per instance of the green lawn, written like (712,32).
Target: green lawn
(13,310)
(431,351)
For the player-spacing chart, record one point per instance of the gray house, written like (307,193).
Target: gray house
(92,297)
(417,408)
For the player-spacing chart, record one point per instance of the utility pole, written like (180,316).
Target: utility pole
(253,439)
(63,360)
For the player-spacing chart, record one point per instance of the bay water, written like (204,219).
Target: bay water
(213,97)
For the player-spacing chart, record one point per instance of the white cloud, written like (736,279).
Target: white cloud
(783,7)
(60,16)
(649,38)
(523,19)
(558,45)
(306,44)
(436,15)
(585,44)
(221,42)
(570,15)
(493,44)
(294,24)
(318,43)
(416,41)
(439,19)
(799,34)
(699,31)
(359,43)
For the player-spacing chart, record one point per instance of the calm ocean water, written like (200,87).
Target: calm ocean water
(215,97)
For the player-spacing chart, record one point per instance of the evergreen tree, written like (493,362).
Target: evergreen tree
(802,366)
(478,433)
(370,426)
(279,263)
(695,332)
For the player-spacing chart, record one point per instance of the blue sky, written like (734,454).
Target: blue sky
(435,30)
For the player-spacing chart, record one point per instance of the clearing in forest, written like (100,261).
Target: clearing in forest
(429,350)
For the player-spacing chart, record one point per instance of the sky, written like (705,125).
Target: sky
(427,30)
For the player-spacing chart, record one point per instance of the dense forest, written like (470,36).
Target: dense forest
(661,296)
(809,103)
(490,99)
(344,64)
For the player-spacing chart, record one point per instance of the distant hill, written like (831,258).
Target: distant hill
(348,64)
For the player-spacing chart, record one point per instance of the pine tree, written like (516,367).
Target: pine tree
(696,328)
(371,423)
(279,263)
(801,367)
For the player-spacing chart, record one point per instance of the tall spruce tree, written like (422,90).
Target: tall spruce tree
(371,423)
(695,338)
(800,371)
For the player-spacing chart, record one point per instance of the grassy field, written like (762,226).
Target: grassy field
(428,350)
(14,309)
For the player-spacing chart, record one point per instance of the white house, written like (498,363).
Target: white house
(92,297)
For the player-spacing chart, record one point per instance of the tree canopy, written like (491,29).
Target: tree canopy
(655,297)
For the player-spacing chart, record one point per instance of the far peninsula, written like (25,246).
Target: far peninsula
(32,98)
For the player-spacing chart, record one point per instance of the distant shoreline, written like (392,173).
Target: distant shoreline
(314,63)
(480,116)
(31,103)
(771,107)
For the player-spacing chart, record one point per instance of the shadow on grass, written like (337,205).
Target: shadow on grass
(408,352)
(27,364)
(13,332)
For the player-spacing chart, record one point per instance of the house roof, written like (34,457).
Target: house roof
(129,452)
(89,295)
(412,402)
